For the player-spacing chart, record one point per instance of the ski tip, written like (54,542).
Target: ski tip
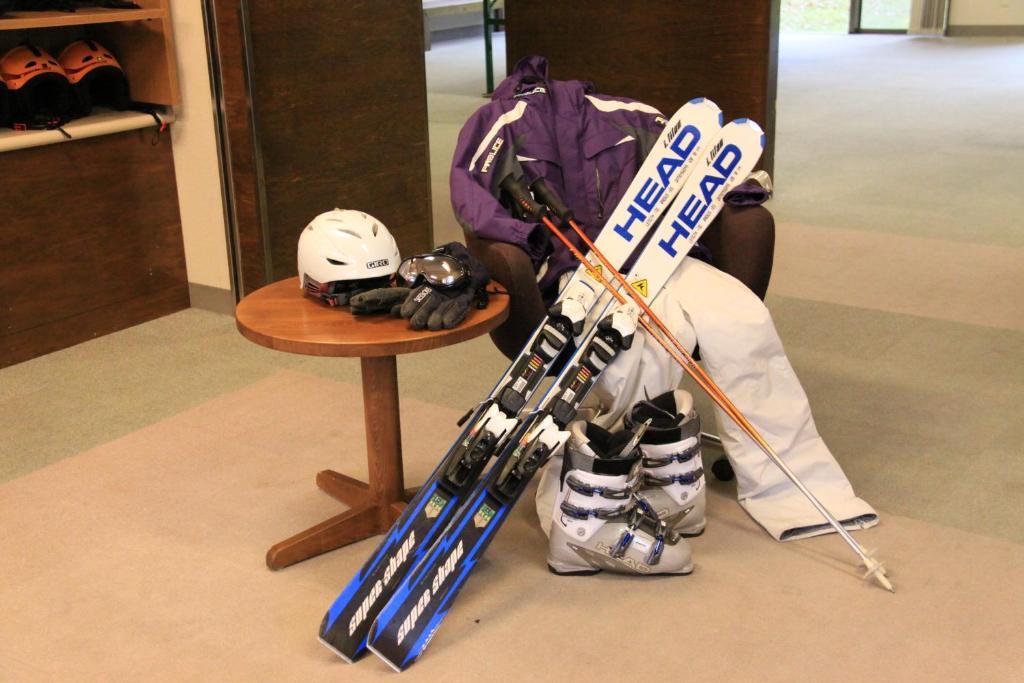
(706,104)
(752,125)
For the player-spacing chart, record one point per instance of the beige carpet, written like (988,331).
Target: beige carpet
(143,560)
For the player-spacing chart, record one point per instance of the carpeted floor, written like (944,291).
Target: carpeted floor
(896,135)
(145,563)
(143,474)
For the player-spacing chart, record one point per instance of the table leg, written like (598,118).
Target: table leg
(376,504)
(383,429)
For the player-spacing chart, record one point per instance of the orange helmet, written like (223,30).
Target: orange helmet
(24,63)
(96,76)
(38,87)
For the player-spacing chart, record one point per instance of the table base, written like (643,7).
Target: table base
(375,505)
(367,517)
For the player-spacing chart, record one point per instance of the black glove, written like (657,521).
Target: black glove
(539,246)
(345,296)
(540,243)
(434,309)
(382,300)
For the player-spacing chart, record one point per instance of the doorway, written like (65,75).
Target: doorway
(845,16)
(879,16)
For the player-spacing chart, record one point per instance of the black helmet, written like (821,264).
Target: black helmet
(96,77)
(5,105)
(38,89)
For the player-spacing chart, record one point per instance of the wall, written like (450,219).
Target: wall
(90,241)
(303,139)
(673,51)
(197,166)
(986,17)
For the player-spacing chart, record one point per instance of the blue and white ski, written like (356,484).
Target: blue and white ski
(407,623)
(678,150)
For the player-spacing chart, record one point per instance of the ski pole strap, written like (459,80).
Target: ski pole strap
(547,196)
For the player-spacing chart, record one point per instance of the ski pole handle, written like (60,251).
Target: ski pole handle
(521,196)
(547,196)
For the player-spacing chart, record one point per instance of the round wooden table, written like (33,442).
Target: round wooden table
(280,316)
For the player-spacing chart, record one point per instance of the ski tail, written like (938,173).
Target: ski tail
(345,626)
(405,626)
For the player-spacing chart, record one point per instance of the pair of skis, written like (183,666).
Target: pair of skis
(488,428)
(405,626)
(417,605)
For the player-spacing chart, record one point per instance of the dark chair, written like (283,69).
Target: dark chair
(741,241)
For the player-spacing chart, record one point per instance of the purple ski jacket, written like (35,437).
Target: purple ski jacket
(587,147)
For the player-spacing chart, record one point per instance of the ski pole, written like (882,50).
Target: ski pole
(683,358)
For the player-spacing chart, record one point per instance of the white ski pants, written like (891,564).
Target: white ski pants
(741,351)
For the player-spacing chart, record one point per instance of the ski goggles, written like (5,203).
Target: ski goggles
(437,270)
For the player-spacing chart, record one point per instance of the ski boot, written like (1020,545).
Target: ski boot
(599,521)
(673,474)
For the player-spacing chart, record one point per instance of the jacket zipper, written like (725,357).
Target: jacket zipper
(600,202)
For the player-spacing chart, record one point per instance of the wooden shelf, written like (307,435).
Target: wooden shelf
(103,122)
(90,15)
(141,39)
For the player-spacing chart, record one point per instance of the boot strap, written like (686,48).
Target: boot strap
(606,514)
(609,492)
(662,460)
(686,479)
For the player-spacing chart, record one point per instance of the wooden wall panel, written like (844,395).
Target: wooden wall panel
(90,241)
(225,24)
(663,53)
(338,118)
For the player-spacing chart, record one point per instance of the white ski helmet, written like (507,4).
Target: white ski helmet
(345,250)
